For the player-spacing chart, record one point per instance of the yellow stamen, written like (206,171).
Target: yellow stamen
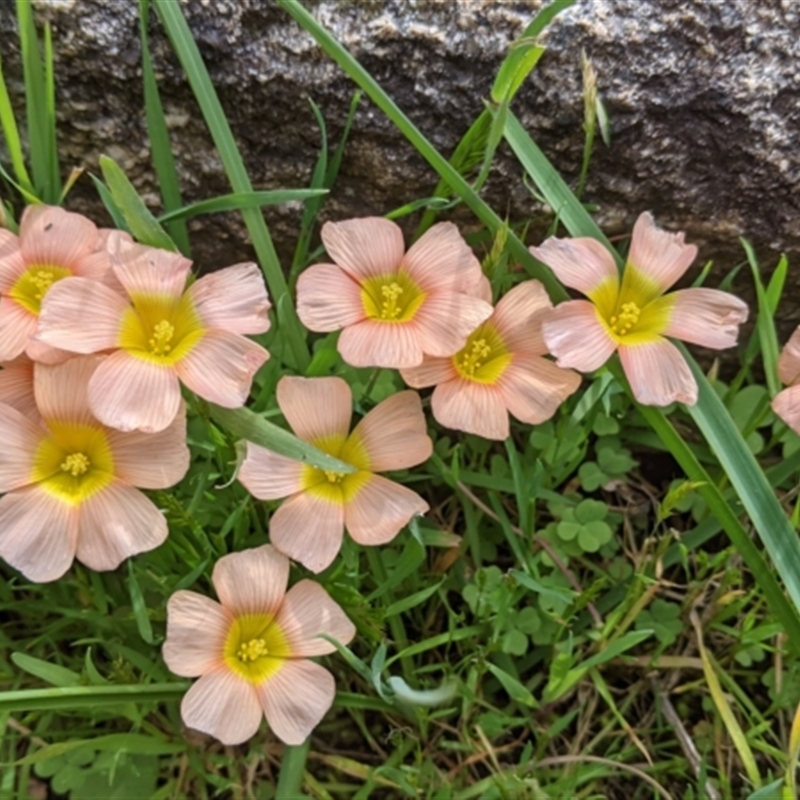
(252,650)
(42,280)
(622,323)
(391,298)
(333,477)
(76,464)
(484,358)
(474,357)
(159,344)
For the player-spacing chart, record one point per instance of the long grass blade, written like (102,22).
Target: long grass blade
(160,146)
(11,134)
(236,202)
(189,55)
(40,105)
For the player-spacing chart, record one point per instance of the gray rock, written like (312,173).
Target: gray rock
(702,96)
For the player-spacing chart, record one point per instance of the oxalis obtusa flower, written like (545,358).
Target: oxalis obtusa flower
(633,316)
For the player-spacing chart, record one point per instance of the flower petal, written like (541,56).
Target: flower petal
(364,248)
(658,374)
(441,260)
(21,437)
(118,521)
(533,388)
(446,319)
(707,317)
(307,611)
(251,581)
(581,263)
(296,698)
(234,299)
(518,317)
(381,344)
(662,256)
(16,387)
(328,299)
(38,533)
(471,407)
(789,360)
(269,476)
(224,706)
(151,460)
(431,371)
(62,391)
(786,405)
(315,408)
(81,315)
(128,393)
(49,235)
(574,334)
(17,325)
(308,529)
(394,434)
(196,631)
(149,271)
(380,510)
(221,366)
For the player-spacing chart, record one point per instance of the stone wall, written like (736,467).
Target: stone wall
(703,97)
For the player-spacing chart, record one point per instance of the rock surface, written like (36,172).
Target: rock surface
(703,98)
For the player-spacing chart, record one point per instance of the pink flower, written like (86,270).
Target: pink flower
(634,317)
(53,244)
(786,404)
(499,370)
(70,481)
(392,307)
(250,650)
(309,526)
(161,333)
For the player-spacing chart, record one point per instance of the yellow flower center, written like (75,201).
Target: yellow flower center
(159,343)
(73,462)
(338,488)
(252,650)
(391,298)
(76,464)
(256,647)
(484,358)
(31,287)
(160,329)
(627,318)
(633,312)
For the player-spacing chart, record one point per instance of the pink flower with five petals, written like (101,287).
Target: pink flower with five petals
(161,333)
(634,316)
(250,651)
(393,307)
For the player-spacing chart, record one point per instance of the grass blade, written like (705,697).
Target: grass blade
(40,105)
(11,135)
(160,146)
(89,697)
(765,325)
(554,188)
(236,202)
(142,224)
(248,425)
(189,55)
